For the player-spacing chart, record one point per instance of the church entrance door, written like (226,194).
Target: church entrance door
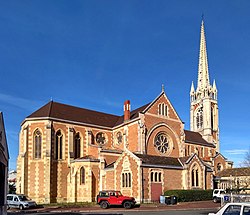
(156,191)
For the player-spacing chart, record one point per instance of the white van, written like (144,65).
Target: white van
(19,201)
(218,194)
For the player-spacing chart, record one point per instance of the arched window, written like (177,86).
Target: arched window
(77,146)
(163,109)
(152,176)
(59,145)
(159,178)
(166,110)
(82,175)
(192,177)
(159,109)
(199,118)
(195,176)
(155,176)
(126,179)
(37,144)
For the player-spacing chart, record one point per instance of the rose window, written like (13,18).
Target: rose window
(162,143)
(101,138)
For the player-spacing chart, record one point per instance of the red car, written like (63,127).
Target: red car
(109,198)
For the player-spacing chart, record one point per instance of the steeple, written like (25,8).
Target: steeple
(203,100)
(203,75)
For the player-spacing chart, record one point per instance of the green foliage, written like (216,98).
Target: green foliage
(190,195)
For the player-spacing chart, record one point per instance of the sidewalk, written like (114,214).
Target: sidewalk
(144,207)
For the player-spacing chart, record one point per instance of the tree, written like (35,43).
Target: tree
(246,161)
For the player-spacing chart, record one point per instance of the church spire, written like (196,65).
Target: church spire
(203,102)
(203,75)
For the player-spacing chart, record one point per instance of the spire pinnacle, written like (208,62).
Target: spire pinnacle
(203,75)
(192,88)
(214,85)
(162,88)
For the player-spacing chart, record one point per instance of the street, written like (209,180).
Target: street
(124,212)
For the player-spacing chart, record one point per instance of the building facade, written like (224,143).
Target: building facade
(69,154)
(236,179)
(4,161)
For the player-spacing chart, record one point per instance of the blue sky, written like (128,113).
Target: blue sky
(96,54)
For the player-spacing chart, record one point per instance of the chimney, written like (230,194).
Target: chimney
(126,110)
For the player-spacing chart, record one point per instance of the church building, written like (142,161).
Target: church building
(69,154)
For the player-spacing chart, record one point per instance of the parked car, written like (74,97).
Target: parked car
(218,194)
(109,198)
(19,201)
(242,208)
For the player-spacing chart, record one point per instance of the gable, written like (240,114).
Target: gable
(162,107)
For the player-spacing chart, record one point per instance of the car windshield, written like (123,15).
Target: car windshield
(118,193)
(23,198)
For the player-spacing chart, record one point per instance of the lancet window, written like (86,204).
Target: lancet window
(37,144)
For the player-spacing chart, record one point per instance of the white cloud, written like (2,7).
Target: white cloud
(18,102)
(236,151)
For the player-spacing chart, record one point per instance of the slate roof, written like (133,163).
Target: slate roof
(184,159)
(245,171)
(159,160)
(196,138)
(74,114)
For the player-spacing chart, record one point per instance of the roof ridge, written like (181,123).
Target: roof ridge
(85,109)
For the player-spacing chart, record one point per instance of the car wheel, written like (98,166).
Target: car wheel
(215,200)
(7,207)
(104,204)
(127,205)
(21,207)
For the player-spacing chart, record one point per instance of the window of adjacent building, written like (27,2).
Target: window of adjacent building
(59,145)
(155,176)
(82,175)
(77,145)
(195,177)
(101,138)
(37,144)
(162,143)
(163,109)
(126,179)
(199,118)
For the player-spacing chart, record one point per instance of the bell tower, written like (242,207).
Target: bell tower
(204,105)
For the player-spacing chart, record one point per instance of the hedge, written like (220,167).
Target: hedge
(190,195)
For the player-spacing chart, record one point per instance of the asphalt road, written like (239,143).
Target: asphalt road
(127,212)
